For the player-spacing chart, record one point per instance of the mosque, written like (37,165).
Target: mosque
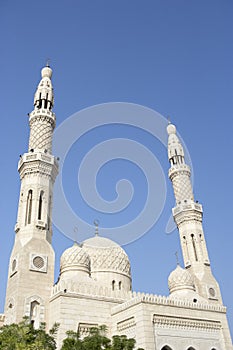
(94,285)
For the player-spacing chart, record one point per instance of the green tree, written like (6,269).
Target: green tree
(72,342)
(121,342)
(23,336)
(97,340)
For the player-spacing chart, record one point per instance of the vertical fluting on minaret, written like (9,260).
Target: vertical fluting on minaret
(32,257)
(188,217)
(42,120)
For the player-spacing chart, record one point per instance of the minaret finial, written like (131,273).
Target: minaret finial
(48,62)
(96,223)
(75,234)
(177,258)
(168,120)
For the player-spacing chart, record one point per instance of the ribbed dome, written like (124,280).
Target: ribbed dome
(106,255)
(180,279)
(75,258)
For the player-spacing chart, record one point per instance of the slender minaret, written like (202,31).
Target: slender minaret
(31,268)
(188,217)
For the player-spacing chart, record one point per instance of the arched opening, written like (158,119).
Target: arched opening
(194,246)
(113,285)
(49,213)
(28,216)
(35,314)
(166,347)
(120,284)
(190,348)
(40,205)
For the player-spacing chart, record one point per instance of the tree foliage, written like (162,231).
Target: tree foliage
(97,340)
(23,336)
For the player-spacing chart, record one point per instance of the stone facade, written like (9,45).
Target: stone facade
(94,286)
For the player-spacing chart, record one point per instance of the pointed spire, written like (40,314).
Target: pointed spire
(44,98)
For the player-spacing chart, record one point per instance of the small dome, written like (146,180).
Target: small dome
(180,279)
(75,259)
(106,255)
(171,129)
(46,72)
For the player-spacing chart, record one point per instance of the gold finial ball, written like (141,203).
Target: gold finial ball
(171,129)
(46,72)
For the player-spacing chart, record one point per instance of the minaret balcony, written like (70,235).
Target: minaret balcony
(42,112)
(35,156)
(187,206)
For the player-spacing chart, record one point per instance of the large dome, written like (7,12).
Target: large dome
(106,255)
(180,279)
(75,259)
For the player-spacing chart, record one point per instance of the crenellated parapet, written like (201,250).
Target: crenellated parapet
(138,297)
(90,289)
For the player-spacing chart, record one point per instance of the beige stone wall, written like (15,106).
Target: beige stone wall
(73,310)
(156,322)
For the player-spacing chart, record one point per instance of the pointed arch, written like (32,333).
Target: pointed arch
(28,216)
(191,348)
(166,347)
(194,246)
(49,213)
(40,205)
(35,313)
(34,309)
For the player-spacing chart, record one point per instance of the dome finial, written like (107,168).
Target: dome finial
(48,62)
(168,120)
(75,230)
(96,223)
(177,258)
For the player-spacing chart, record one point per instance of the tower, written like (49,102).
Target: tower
(188,217)
(31,267)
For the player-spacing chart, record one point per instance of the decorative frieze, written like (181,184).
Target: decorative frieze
(85,328)
(190,324)
(128,323)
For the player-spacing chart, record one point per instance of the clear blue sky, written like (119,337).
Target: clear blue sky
(175,57)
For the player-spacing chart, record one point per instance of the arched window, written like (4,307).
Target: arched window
(49,213)
(120,284)
(166,347)
(40,205)
(194,246)
(28,216)
(113,285)
(35,314)
(190,348)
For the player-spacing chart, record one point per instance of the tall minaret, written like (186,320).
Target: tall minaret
(188,217)
(31,268)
